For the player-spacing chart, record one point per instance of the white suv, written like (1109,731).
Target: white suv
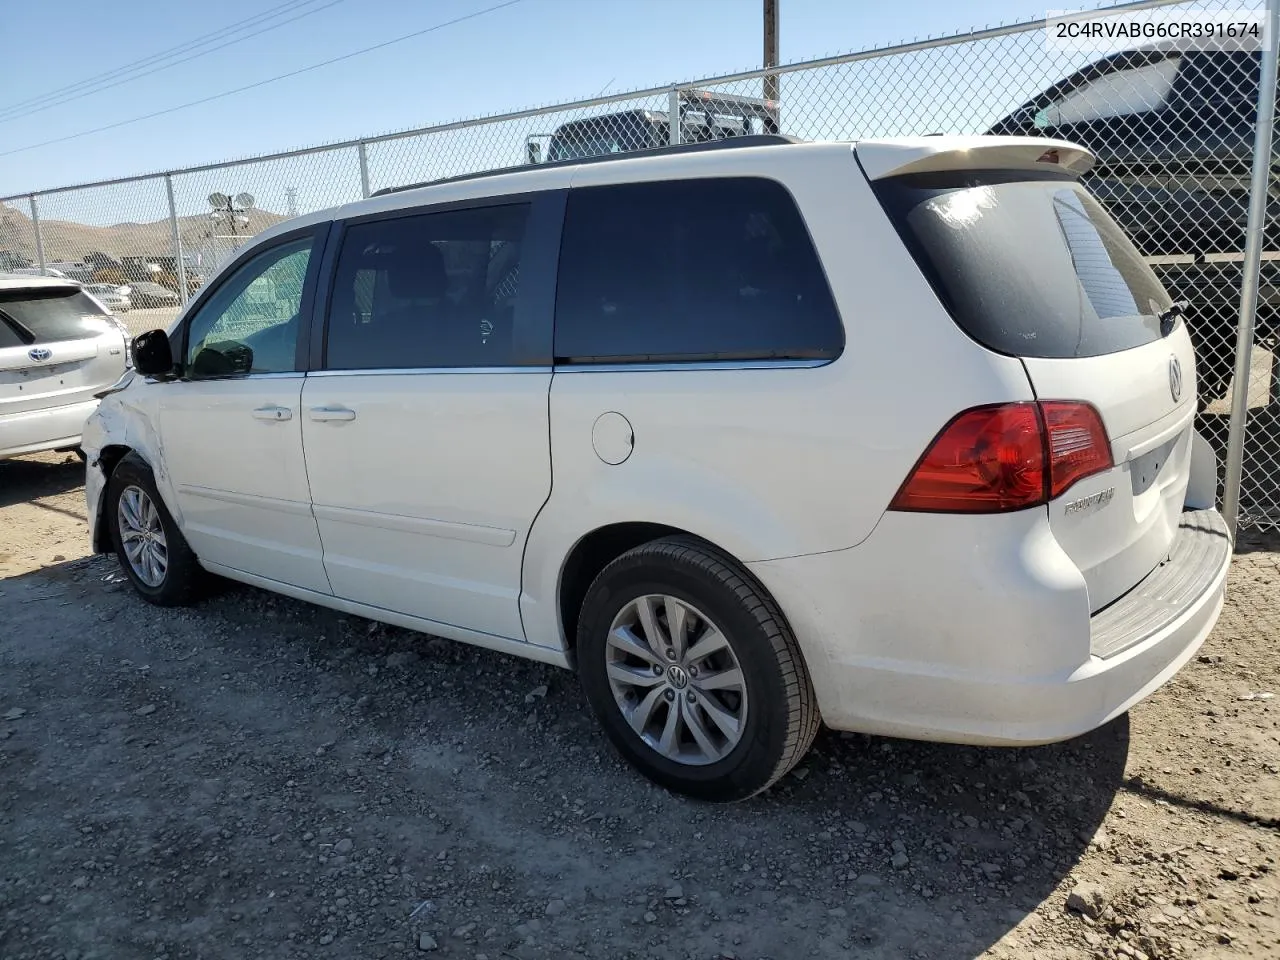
(59,348)
(896,436)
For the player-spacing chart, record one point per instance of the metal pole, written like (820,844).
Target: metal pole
(363,149)
(177,241)
(771,60)
(1258,184)
(673,116)
(35,225)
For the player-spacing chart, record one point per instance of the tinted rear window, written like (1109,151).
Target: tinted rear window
(50,315)
(690,270)
(1027,267)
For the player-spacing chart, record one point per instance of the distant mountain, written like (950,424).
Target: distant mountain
(64,240)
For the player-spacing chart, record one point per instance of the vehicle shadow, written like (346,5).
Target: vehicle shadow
(27,478)
(987,834)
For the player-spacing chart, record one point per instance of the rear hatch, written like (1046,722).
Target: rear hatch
(58,346)
(1030,265)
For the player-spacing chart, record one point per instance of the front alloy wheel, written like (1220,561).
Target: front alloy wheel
(152,550)
(142,536)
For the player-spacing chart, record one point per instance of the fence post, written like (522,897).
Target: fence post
(673,116)
(177,241)
(363,149)
(1258,187)
(35,225)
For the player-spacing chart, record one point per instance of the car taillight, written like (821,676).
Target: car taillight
(1078,443)
(1006,457)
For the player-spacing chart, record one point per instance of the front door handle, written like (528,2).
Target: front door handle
(273,413)
(332,413)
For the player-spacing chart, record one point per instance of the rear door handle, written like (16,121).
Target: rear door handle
(332,413)
(272,412)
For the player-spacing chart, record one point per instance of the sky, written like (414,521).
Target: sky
(526,53)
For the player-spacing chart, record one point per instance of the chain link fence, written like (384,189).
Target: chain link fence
(1173,130)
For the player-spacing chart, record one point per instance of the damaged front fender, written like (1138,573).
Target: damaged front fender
(127,420)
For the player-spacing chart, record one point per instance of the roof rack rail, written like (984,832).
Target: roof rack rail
(751,140)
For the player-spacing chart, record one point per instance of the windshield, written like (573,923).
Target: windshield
(52,314)
(1026,266)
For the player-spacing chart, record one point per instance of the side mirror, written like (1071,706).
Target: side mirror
(151,353)
(533,151)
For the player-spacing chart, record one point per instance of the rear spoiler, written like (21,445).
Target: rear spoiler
(895,157)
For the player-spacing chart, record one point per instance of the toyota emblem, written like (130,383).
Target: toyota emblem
(39,354)
(1175,379)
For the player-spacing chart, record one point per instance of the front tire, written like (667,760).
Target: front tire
(693,671)
(150,547)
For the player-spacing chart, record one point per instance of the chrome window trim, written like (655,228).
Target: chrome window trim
(699,365)
(278,375)
(558,369)
(393,371)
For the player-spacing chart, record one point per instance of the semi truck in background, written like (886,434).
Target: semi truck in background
(703,115)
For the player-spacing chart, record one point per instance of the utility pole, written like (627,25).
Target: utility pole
(771,60)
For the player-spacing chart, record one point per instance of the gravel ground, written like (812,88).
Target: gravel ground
(256,777)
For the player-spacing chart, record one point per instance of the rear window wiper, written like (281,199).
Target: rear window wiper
(1169,317)
(19,330)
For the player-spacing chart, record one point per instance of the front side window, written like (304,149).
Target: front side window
(690,270)
(250,324)
(428,290)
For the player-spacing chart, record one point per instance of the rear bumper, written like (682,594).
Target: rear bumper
(35,430)
(943,628)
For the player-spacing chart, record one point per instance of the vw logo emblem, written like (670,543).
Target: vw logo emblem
(39,354)
(1175,379)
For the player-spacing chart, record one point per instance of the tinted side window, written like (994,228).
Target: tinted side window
(1136,90)
(428,290)
(691,270)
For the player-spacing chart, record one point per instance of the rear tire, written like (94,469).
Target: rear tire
(720,706)
(151,549)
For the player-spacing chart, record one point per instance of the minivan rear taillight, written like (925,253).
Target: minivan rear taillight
(1007,457)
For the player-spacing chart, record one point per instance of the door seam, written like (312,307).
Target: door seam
(306,472)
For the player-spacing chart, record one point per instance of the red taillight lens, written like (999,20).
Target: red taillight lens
(986,460)
(1078,444)
(1006,457)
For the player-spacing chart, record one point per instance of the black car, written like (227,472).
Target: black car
(704,115)
(1173,134)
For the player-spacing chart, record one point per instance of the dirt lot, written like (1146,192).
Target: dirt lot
(255,777)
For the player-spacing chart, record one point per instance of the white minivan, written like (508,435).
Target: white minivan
(895,436)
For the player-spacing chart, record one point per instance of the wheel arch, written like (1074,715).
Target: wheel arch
(109,458)
(598,548)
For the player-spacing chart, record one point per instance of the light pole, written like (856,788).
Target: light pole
(234,212)
(231,209)
(771,60)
